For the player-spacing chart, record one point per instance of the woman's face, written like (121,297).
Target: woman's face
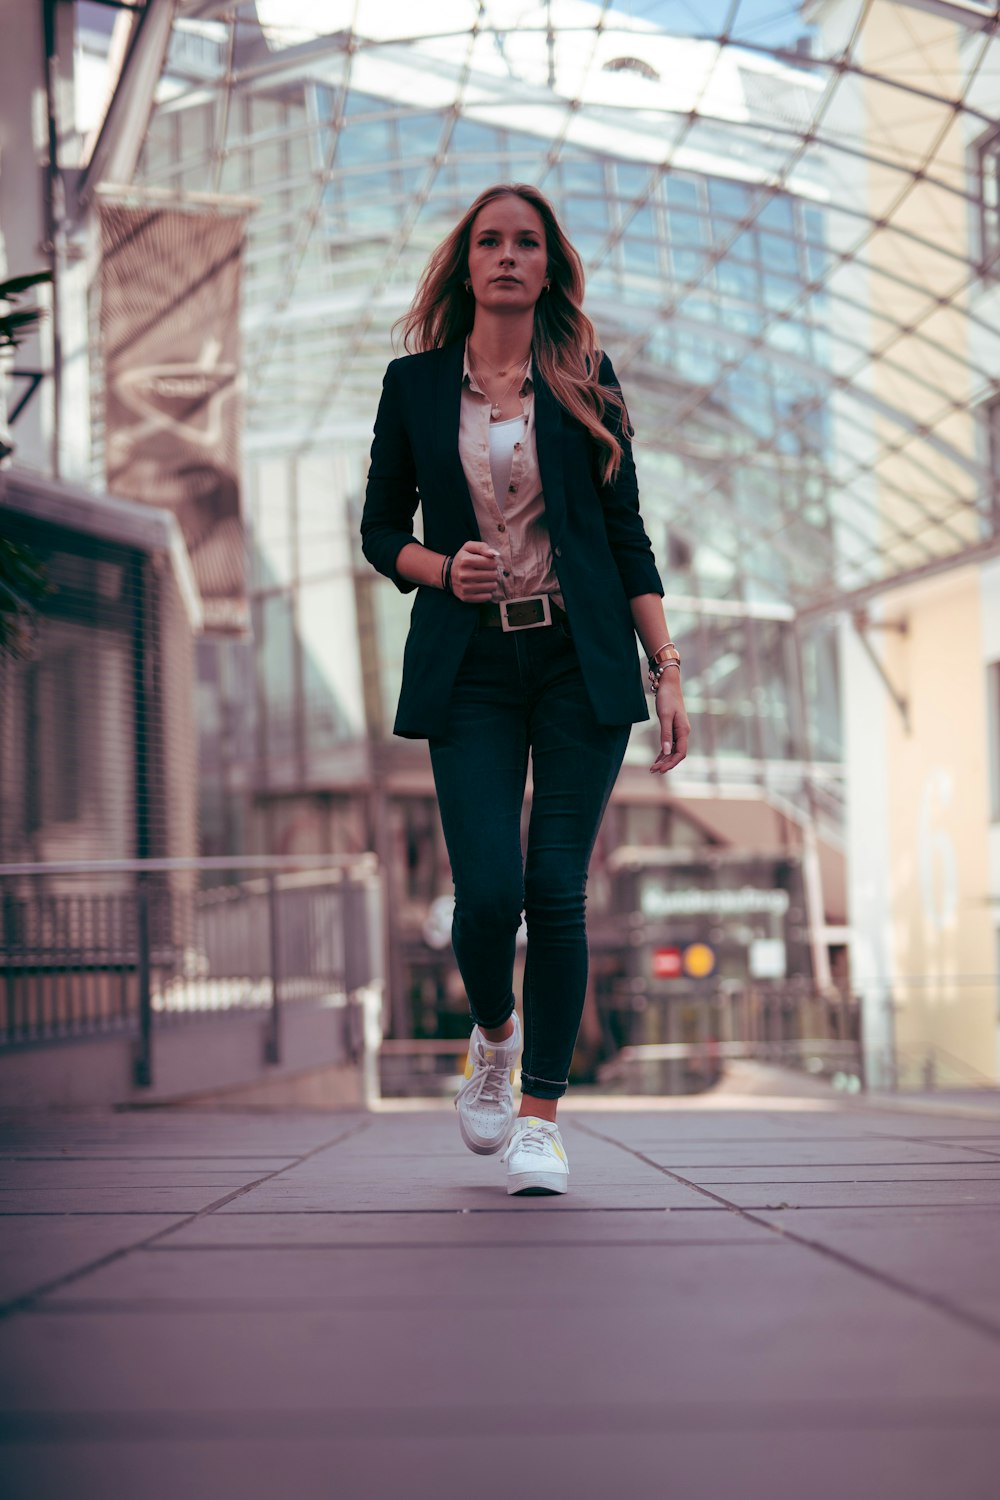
(508,260)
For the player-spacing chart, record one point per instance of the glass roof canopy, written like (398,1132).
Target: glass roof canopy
(780,209)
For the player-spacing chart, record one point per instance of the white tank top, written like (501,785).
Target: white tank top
(503,436)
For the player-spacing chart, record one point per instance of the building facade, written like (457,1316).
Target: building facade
(697,273)
(790,238)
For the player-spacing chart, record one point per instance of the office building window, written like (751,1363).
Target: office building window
(993,710)
(991,417)
(989,201)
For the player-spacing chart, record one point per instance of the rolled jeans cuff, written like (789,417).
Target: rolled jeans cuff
(542,1088)
(491,1023)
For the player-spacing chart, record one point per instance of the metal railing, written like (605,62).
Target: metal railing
(671,1045)
(86,949)
(789,1024)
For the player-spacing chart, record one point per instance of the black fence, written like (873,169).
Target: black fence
(88,950)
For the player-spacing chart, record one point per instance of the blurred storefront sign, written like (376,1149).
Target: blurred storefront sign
(768,958)
(729,919)
(696,961)
(170,288)
(699,961)
(658,901)
(667,963)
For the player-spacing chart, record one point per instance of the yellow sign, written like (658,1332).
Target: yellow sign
(699,960)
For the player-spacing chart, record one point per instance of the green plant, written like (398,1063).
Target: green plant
(23,583)
(19,321)
(23,586)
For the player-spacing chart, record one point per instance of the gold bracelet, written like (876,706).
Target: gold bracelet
(658,657)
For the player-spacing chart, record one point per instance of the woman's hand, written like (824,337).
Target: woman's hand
(474,573)
(674,724)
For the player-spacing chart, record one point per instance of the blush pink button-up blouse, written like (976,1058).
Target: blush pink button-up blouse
(514,522)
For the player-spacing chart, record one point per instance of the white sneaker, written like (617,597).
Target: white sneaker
(485,1102)
(536,1158)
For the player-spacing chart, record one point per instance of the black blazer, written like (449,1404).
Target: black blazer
(600,550)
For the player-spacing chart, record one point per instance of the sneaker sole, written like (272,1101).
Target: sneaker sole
(537,1183)
(484,1148)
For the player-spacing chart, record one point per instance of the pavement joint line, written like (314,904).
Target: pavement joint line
(983,1326)
(722,1206)
(795,1414)
(839,1181)
(949,1143)
(523,1206)
(133,1156)
(981,1151)
(89,1213)
(26,1301)
(753,1165)
(288,1213)
(505,1246)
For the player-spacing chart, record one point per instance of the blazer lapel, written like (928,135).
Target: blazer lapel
(548,440)
(449,408)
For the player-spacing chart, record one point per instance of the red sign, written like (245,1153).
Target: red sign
(667,963)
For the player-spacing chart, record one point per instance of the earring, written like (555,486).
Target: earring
(467,284)
(545,286)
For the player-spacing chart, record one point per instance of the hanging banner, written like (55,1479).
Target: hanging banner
(170,290)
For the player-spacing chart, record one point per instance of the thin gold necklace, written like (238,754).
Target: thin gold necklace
(496,406)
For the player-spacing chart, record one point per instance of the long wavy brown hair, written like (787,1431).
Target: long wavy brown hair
(564,344)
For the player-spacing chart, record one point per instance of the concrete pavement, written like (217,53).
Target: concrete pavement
(741,1297)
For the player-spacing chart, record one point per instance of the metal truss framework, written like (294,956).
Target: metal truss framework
(867,312)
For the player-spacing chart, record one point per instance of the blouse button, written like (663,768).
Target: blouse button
(512,489)
(501,527)
(558,552)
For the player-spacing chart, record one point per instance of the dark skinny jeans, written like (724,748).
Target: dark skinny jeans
(519,692)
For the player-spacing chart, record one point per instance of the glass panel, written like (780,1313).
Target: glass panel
(276,647)
(729,200)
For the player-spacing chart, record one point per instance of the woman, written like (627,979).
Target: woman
(533,578)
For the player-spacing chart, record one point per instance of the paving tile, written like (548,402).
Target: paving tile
(601,1175)
(924,1248)
(778,1326)
(609,1458)
(658,1192)
(812,1153)
(135,1172)
(466,1228)
(36,1249)
(172,1132)
(522,1275)
(360,1322)
(847,1172)
(154,1198)
(794,1195)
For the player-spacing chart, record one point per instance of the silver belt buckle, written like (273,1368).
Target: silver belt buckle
(531,599)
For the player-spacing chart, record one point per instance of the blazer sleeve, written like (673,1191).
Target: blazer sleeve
(391,497)
(631,547)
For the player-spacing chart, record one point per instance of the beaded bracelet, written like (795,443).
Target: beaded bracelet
(655,673)
(446,575)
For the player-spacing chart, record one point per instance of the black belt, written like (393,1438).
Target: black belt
(521,614)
